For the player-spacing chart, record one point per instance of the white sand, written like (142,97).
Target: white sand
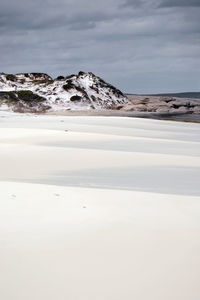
(109,209)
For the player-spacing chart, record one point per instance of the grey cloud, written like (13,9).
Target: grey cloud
(41,15)
(180,3)
(133,3)
(162,3)
(140,4)
(129,43)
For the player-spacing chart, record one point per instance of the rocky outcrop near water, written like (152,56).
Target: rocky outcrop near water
(162,105)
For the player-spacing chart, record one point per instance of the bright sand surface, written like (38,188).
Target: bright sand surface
(99,208)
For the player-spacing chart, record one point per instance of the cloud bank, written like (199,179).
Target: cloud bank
(138,45)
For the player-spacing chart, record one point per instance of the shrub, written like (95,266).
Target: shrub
(79,89)
(82,91)
(45,81)
(94,88)
(11,77)
(75,98)
(38,74)
(48,82)
(118,92)
(68,86)
(81,73)
(60,78)
(8,97)
(93,98)
(70,76)
(69,81)
(29,96)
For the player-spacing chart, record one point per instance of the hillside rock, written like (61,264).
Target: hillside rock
(74,92)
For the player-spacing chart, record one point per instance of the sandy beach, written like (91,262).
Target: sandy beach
(95,207)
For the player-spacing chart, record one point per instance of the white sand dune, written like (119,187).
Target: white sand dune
(96,208)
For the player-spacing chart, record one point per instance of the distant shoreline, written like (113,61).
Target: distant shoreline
(188,95)
(183,117)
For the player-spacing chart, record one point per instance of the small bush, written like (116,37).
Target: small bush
(69,81)
(60,78)
(75,98)
(68,86)
(82,91)
(118,92)
(38,74)
(29,96)
(48,82)
(94,88)
(45,81)
(11,77)
(8,97)
(81,73)
(70,76)
(93,98)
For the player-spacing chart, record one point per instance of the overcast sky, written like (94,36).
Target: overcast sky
(140,46)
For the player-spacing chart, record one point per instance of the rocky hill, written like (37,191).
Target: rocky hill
(38,92)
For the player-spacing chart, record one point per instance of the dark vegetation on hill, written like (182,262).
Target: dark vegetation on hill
(23,101)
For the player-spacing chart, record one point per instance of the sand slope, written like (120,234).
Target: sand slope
(99,208)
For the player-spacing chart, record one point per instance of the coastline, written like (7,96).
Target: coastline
(182,117)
